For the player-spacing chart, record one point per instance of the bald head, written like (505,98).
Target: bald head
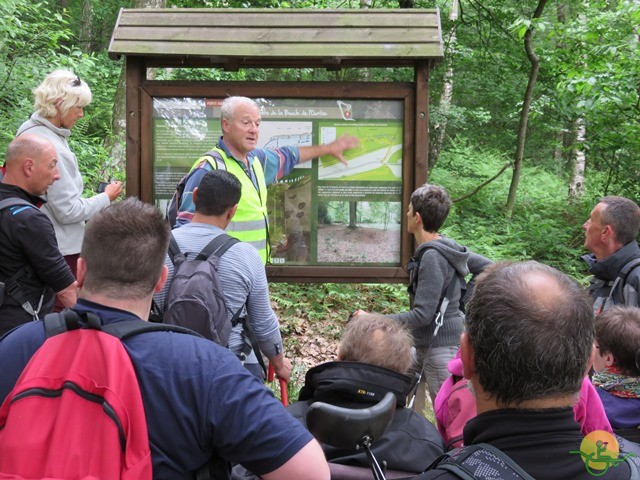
(531,329)
(31,163)
(25,146)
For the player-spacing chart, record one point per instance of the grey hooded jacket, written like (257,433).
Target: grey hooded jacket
(606,288)
(443,258)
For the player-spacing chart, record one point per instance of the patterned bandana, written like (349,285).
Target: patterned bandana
(616,383)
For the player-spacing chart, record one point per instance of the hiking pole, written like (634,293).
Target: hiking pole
(417,378)
(284,396)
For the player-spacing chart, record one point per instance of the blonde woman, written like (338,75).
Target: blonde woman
(59,103)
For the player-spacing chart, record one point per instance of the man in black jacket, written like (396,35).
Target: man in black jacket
(32,270)
(611,233)
(374,356)
(527,345)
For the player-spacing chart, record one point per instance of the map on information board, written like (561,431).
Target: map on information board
(323,212)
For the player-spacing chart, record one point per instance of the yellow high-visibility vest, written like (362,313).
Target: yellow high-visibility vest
(250,224)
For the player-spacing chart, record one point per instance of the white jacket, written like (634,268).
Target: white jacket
(65,206)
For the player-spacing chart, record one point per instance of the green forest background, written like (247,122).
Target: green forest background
(534,115)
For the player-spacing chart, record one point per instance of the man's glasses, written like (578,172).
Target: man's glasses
(77,82)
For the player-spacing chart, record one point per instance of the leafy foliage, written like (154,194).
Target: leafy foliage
(544,227)
(325,300)
(599,76)
(38,39)
(31,39)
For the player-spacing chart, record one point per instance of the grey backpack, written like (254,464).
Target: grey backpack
(195,298)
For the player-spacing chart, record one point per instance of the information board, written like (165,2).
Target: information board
(324,212)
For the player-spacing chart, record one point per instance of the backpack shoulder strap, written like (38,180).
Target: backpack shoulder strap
(416,259)
(472,463)
(130,328)
(214,157)
(251,336)
(60,322)
(66,320)
(412,268)
(174,249)
(629,267)
(218,246)
(12,202)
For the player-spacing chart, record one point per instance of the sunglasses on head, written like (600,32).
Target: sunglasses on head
(77,82)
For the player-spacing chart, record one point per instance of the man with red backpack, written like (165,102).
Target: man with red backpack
(202,408)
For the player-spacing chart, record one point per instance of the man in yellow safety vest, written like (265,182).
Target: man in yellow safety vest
(237,153)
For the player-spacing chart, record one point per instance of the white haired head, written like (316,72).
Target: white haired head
(60,90)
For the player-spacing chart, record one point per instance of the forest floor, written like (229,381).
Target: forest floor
(309,342)
(363,244)
(313,316)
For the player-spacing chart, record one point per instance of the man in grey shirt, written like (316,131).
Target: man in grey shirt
(241,271)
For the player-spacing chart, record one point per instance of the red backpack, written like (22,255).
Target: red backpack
(76,411)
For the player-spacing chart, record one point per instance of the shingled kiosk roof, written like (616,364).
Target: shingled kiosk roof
(234,38)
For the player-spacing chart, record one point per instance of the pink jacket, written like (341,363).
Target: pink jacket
(455,405)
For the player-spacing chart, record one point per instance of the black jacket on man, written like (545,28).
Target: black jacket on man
(605,272)
(545,443)
(27,239)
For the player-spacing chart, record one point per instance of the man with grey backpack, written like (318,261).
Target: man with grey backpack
(204,255)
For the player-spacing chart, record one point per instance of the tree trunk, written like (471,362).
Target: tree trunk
(440,129)
(576,186)
(353,217)
(558,151)
(116,142)
(577,161)
(86,30)
(524,112)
